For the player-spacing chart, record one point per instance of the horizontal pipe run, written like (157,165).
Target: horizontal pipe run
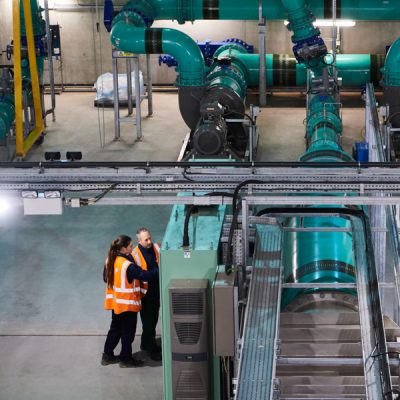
(272,10)
(283,71)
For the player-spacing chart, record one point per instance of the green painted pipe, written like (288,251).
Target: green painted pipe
(283,70)
(127,37)
(272,9)
(300,20)
(391,71)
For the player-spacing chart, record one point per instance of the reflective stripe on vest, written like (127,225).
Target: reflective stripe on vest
(124,296)
(141,262)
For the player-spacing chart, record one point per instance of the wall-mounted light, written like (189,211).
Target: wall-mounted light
(329,22)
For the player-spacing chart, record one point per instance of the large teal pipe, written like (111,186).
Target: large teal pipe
(391,71)
(312,257)
(283,70)
(126,36)
(391,83)
(300,20)
(183,11)
(316,256)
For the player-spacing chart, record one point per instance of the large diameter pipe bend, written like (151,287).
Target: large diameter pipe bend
(127,37)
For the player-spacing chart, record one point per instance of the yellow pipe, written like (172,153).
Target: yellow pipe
(37,105)
(19,134)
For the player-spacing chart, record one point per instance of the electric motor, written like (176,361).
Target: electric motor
(210,135)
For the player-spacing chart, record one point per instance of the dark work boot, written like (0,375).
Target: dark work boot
(107,359)
(131,363)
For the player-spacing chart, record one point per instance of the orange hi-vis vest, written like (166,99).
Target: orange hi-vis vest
(123,296)
(141,262)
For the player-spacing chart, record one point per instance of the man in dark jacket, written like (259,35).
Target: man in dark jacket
(146,255)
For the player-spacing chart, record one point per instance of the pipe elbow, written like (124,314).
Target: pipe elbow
(391,71)
(188,55)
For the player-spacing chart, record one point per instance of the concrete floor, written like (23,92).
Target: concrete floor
(52,323)
(80,126)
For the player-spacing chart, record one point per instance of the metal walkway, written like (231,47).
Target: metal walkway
(259,339)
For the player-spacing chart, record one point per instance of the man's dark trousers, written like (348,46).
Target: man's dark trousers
(149,317)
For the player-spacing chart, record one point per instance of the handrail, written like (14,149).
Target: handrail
(381,156)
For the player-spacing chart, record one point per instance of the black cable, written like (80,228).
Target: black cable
(386,353)
(239,187)
(194,208)
(87,202)
(185,240)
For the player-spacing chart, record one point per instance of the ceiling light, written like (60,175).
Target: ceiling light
(329,22)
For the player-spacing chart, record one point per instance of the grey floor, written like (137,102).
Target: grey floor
(52,323)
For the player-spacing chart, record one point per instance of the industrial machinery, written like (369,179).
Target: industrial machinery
(269,273)
(32,42)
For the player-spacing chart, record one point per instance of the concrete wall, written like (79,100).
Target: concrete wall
(87,53)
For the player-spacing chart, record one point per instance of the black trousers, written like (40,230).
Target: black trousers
(149,317)
(123,327)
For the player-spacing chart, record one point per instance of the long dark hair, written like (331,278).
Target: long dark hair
(116,245)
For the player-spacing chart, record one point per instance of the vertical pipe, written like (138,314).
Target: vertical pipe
(50,59)
(19,134)
(334,32)
(149,87)
(129,84)
(262,61)
(138,99)
(117,133)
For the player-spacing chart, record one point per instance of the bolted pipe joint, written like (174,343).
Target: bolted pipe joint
(309,47)
(140,12)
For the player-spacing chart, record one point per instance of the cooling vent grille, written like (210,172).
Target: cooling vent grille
(190,386)
(187,303)
(188,332)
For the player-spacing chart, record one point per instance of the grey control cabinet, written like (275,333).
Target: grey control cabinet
(189,339)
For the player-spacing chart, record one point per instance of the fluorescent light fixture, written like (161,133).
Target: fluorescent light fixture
(329,22)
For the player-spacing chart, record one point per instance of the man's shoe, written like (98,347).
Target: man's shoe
(155,356)
(131,363)
(107,359)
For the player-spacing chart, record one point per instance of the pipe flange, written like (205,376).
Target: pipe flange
(229,72)
(239,42)
(323,300)
(230,46)
(141,14)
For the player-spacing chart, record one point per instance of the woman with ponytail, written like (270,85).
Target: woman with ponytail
(123,298)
